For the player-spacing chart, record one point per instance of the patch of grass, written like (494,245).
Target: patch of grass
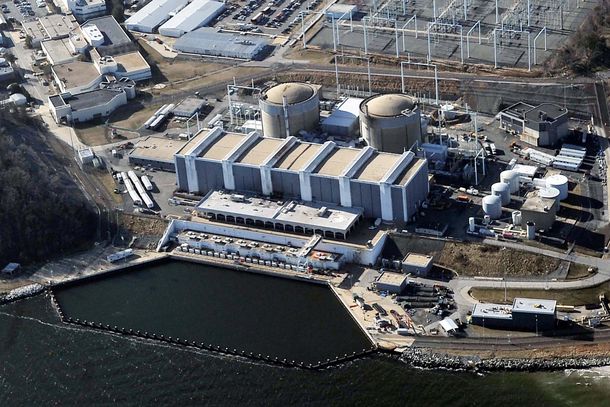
(575,297)
(577,271)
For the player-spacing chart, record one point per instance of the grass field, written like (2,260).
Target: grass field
(564,297)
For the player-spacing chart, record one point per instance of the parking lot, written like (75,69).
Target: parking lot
(23,10)
(269,17)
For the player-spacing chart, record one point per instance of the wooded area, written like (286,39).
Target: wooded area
(588,49)
(43,213)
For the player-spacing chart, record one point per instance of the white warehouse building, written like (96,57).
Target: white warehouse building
(207,41)
(197,14)
(155,13)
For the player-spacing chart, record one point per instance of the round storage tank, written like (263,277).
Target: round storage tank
(559,182)
(288,108)
(502,190)
(492,206)
(512,179)
(390,122)
(549,193)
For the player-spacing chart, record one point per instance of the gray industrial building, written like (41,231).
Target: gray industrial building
(387,186)
(208,41)
(390,122)
(542,125)
(525,314)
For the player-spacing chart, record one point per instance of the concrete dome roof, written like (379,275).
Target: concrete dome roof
(388,105)
(294,93)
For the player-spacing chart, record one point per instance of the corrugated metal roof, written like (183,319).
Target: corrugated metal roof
(193,16)
(208,41)
(154,13)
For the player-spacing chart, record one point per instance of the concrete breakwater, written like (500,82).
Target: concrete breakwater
(426,358)
(22,292)
(209,347)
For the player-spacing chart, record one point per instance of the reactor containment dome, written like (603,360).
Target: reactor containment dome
(288,108)
(390,122)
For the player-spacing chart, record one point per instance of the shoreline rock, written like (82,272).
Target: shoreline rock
(428,359)
(22,292)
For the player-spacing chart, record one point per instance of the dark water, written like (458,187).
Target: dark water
(264,315)
(45,362)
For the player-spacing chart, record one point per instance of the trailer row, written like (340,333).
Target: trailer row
(138,194)
(159,116)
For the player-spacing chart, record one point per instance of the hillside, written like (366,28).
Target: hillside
(43,213)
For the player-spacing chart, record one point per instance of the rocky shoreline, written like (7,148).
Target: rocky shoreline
(21,292)
(429,359)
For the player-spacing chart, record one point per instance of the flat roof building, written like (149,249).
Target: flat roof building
(542,125)
(207,41)
(391,282)
(188,107)
(384,185)
(51,27)
(155,152)
(152,15)
(290,216)
(196,14)
(540,209)
(343,121)
(59,51)
(113,41)
(98,103)
(524,314)
(417,263)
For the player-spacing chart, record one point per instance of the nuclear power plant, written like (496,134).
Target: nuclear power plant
(289,108)
(391,122)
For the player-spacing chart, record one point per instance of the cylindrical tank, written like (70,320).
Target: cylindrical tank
(560,182)
(492,206)
(549,193)
(486,220)
(471,224)
(516,215)
(511,178)
(502,190)
(530,230)
(390,122)
(288,108)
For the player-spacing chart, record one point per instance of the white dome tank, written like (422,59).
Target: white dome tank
(288,108)
(512,179)
(549,193)
(390,122)
(502,190)
(559,182)
(492,206)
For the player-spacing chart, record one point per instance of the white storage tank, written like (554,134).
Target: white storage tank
(560,182)
(471,224)
(531,231)
(502,190)
(390,122)
(511,178)
(516,215)
(550,193)
(288,108)
(492,206)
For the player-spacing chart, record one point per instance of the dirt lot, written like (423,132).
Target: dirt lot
(132,116)
(563,297)
(144,230)
(481,260)
(471,259)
